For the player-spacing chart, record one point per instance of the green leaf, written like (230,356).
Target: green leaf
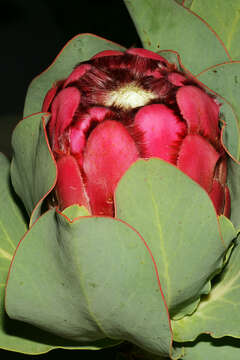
(224,79)
(213,349)
(224,18)
(33,170)
(16,336)
(218,313)
(178,221)
(88,280)
(80,48)
(165,24)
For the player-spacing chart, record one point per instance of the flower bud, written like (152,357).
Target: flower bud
(118,107)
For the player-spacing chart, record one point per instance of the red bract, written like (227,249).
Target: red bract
(118,107)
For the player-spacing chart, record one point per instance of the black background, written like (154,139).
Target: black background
(32,33)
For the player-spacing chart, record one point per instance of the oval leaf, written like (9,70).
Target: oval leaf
(87,280)
(16,336)
(33,170)
(177,219)
(218,313)
(168,25)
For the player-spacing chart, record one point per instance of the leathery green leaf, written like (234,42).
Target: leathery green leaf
(14,335)
(165,24)
(224,79)
(224,18)
(81,48)
(33,170)
(88,280)
(217,313)
(179,223)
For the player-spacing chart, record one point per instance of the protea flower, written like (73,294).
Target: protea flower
(118,107)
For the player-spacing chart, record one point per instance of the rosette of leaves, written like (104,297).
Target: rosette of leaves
(164,273)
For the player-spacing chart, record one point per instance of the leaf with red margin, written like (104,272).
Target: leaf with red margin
(87,280)
(33,170)
(16,336)
(165,24)
(218,313)
(81,48)
(178,221)
(224,18)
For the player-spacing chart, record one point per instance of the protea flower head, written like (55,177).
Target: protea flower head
(118,107)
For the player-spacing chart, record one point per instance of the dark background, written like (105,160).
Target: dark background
(32,33)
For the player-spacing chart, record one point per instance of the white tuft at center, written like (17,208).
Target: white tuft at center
(129,96)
